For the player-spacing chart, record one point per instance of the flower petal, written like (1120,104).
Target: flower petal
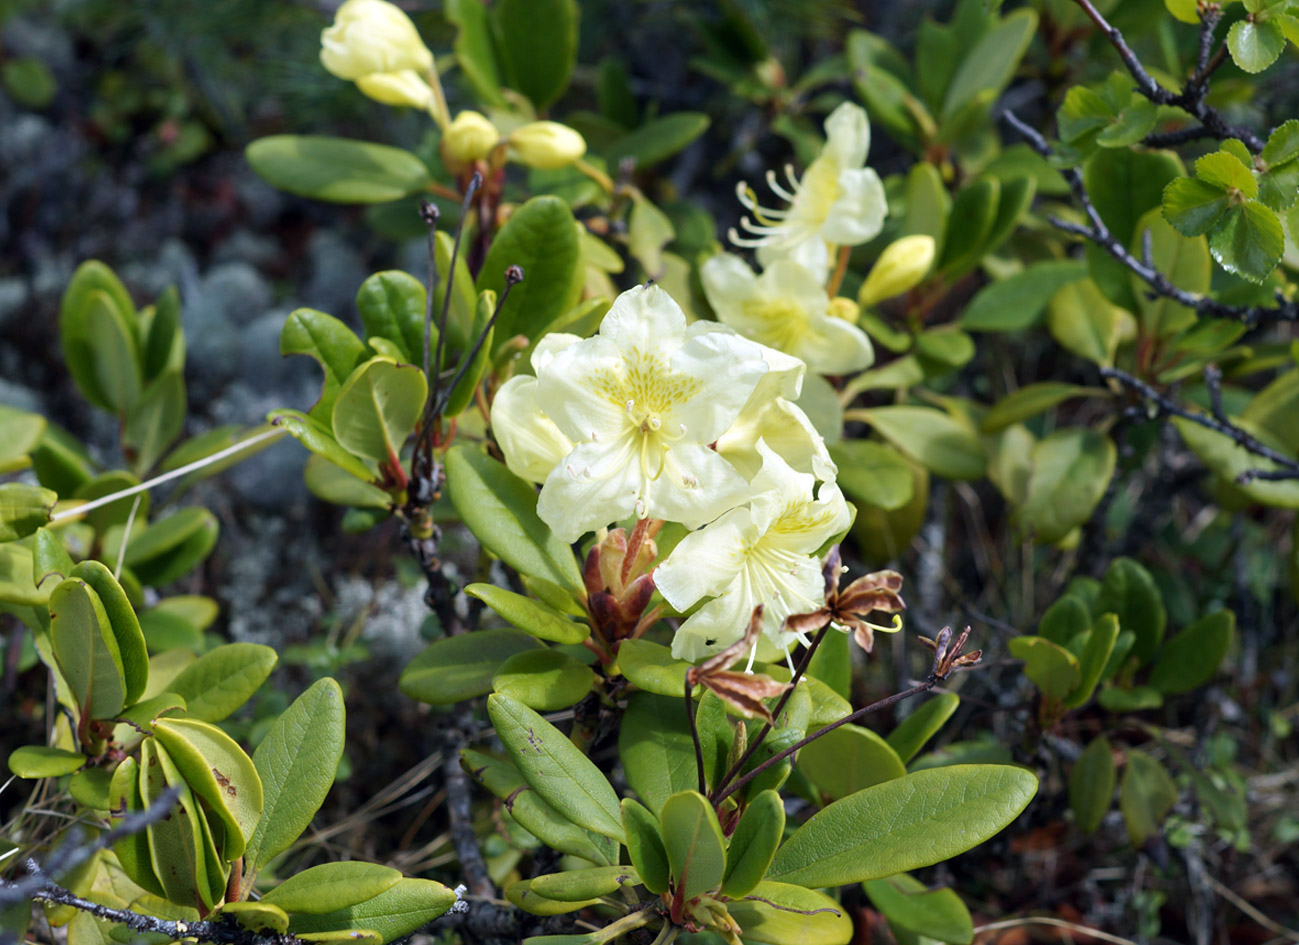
(696,487)
(705,562)
(644,318)
(530,441)
(859,211)
(848,135)
(832,346)
(573,389)
(594,485)
(728,284)
(723,369)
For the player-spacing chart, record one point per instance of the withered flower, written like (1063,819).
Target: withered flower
(744,691)
(947,654)
(848,609)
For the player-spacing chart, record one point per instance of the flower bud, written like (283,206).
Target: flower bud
(469,138)
(397,88)
(900,267)
(844,308)
(547,145)
(372,36)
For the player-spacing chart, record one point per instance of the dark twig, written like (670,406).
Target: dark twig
(460,807)
(694,736)
(513,276)
(1217,421)
(1099,233)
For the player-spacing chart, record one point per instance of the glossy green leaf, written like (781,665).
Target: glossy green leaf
(1226,171)
(904,824)
(537,40)
(1053,669)
(1228,460)
(23,509)
(337,169)
(645,846)
(171,547)
(1255,45)
(86,649)
(1084,321)
(318,438)
(20,434)
(399,910)
(132,850)
(656,749)
(40,761)
(753,844)
(1071,470)
(539,237)
(1017,301)
(716,736)
(91,787)
(1146,795)
(454,669)
(393,306)
(1064,620)
(260,916)
(529,615)
(162,342)
(787,914)
(936,914)
(521,894)
(501,510)
(296,762)
(658,139)
(332,886)
(154,421)
(75,336)
(650,666)
(556,769)
(114,351)
(1248,241)
(693,840)
(222,680)
(546,680)
(939,441)
(1193,207)
(973,212)
(123,624)
(475,52)
(849,759)
(462,395)
(989,65)
(336,485)
(501,776)
(1191,658)
(584,884)
(377,408)
(1032,400)
(332,344)
(1091,784)
(1094,659)
(178,843)
(911,734)
(1185,261)
(1130,592)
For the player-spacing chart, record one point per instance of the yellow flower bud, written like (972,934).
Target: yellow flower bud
(469,138)
(372,36)
(547,145)
(900,267)
(397,88)
(844,308)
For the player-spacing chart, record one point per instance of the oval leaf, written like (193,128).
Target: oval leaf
(544,679)
(529,615)
(693,840)
(332,886)
(337,169)
(457,668)
(222,680)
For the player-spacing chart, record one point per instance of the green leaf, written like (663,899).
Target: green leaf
(650,666)
(16,584)
(114,351)
(585,884)
(521,894)
(332,344)
(501,511)
(971,220)
(538,46)
(475,53)
(454,669)
(162,342)
(1185,261)
(1255,45)
(91,277)
(23,509)
(1091,784)
(1130,700)
(787,914)
(873,473)
(1193,207)
(296,762)
(1130,592)
(1228,460)
(1032,400)
(377,408)
(939,441)
(540,237)
(462,395)
(49,558)
(531,616)
(40,761)
(90,787)
(1249,241)
(1016,302)
(1053,669)
(908,737)
(222,680)
(556,769)
(155,421)
(944,348)
(334,484)
(1064,620)
(645,846)
(655,747)
(658,139)
(86,650)
(904,824)
(1084,321)
(1191,658)
(258,916)
(318,438)
(648,231)
(171,547)
(399,910)
(182,847)
(932,913)
(1278,186)
(693,840)
(849,759)
(990,64)
(501,776)
(1146,795)
(753,844)
(1094,658)
(1226,171)
(337,169)
(29,82)
(1282,144)
(1071,470)
(546,680)
(331,886)
(123,624)
(392,305)
(132,851)
(1124,184)
(20,434)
